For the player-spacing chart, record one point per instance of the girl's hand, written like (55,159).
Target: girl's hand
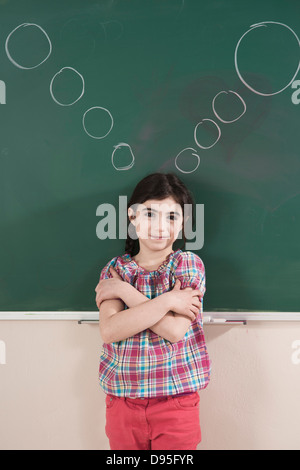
(185,301)
(108,289)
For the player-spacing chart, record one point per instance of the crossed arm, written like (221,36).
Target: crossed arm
(172,326)
(157,314)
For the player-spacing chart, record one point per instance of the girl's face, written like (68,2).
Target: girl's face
(157,222)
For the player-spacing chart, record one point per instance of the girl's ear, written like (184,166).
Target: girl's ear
(131,216)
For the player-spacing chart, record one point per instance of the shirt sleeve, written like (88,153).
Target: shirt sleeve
(191,272)
(105,273)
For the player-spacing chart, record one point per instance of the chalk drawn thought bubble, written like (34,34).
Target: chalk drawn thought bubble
(270,27)
(104,119)
(58,76)
(8,53)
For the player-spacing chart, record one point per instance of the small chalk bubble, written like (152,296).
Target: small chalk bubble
(196,137)
(124,153)
(99,121)
(64,77)
(235,118)
(185,155)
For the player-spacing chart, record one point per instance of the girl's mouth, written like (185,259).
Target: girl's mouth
(158,238)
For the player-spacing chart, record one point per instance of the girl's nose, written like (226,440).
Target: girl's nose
(163,226)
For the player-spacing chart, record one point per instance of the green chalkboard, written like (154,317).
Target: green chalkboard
(95,95)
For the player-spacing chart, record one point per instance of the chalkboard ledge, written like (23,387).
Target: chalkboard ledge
(210,318)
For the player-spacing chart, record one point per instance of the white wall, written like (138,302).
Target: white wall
(50,397)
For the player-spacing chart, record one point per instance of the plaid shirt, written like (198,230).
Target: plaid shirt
(147,365)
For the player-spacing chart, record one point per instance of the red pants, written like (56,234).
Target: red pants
(153,423)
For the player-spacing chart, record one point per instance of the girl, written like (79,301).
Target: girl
(154,357)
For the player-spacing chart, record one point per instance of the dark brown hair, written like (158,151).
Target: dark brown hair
(160,186)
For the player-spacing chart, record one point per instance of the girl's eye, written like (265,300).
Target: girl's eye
(151,215)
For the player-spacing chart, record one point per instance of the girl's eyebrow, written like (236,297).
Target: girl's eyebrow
(153,210)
